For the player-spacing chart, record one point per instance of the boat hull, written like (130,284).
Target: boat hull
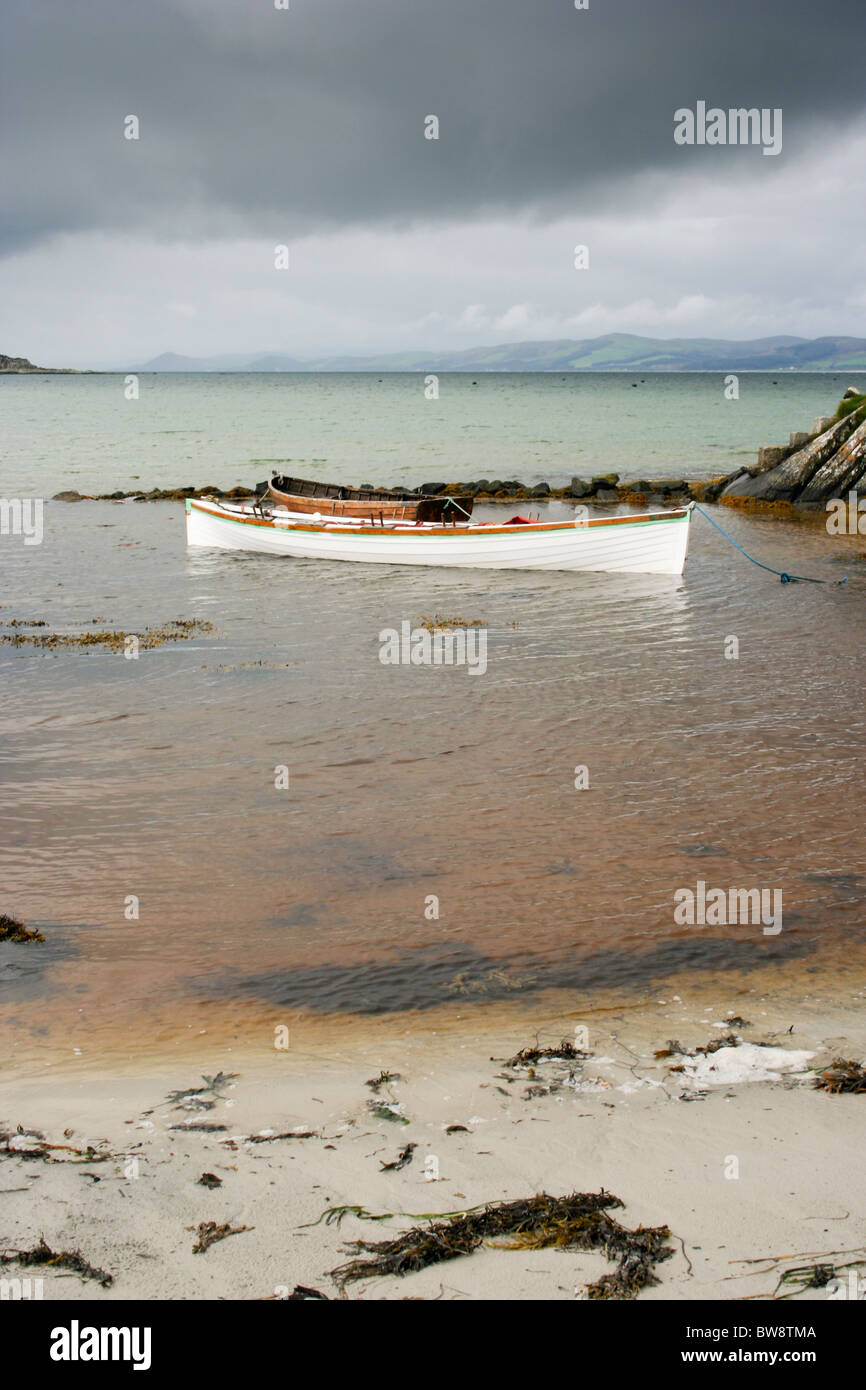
(655,543)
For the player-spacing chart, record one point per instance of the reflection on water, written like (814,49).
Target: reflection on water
(154,778)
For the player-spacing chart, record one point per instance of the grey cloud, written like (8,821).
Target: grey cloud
(264,122)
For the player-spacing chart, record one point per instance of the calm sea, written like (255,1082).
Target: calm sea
(431,851)
(82,432)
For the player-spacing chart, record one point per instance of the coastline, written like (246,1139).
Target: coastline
(739,1171)
(659,495)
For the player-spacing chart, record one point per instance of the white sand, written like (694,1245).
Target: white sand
(623,1125)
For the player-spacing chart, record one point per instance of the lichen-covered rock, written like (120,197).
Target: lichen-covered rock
(784,482)
(839,473)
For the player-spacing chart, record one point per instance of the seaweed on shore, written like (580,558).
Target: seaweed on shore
(209,1180)
(36,1146)
(13,930)
(729,1040)
(564,1052)
(198,1098)
(209,1232)
(212,1084)
(332,1216)
(806,1277)
(404,1157)
(386,1110)
(383,1108)
(842,1075)
(674,1048)
(301,1294)
(580,1221)
(283,1134)
(43,1255)
(377,1082)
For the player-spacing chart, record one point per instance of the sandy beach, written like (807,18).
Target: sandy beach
(742,1170)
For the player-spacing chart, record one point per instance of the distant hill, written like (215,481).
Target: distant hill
(624,352)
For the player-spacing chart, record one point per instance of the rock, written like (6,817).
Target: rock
(852,391)
(636,485)
(798,438)
(770,455)
(605,480)
(822,423)
(262,488)
(431,489)
(496,486)
(483,485)
(838,474)
(606,494)
(787,479)
(670,485)
(540,490)
(713,490)
(580,487)
(70,496)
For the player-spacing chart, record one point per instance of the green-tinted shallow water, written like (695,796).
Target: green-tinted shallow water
(82,432)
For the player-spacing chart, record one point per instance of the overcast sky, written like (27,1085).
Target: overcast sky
(306,127)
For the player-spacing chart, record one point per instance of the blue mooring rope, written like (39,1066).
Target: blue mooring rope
(785,578)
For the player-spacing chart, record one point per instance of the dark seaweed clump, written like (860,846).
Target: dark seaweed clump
(674,1048)
(565,1051)
(580,1221)
(377,1082)
(210,1231)
(404,1157)
(842,1076)
(11,930)
(42,1254)
(113,640)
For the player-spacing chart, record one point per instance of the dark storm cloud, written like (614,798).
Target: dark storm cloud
(267,122)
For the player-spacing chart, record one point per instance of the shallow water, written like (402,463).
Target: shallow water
(155,778)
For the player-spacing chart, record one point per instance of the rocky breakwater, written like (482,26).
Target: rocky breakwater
(603,487)
(808,472)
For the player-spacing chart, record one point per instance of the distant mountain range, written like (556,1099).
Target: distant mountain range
(625,352)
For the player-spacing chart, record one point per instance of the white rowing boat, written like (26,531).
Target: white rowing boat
(650,543)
